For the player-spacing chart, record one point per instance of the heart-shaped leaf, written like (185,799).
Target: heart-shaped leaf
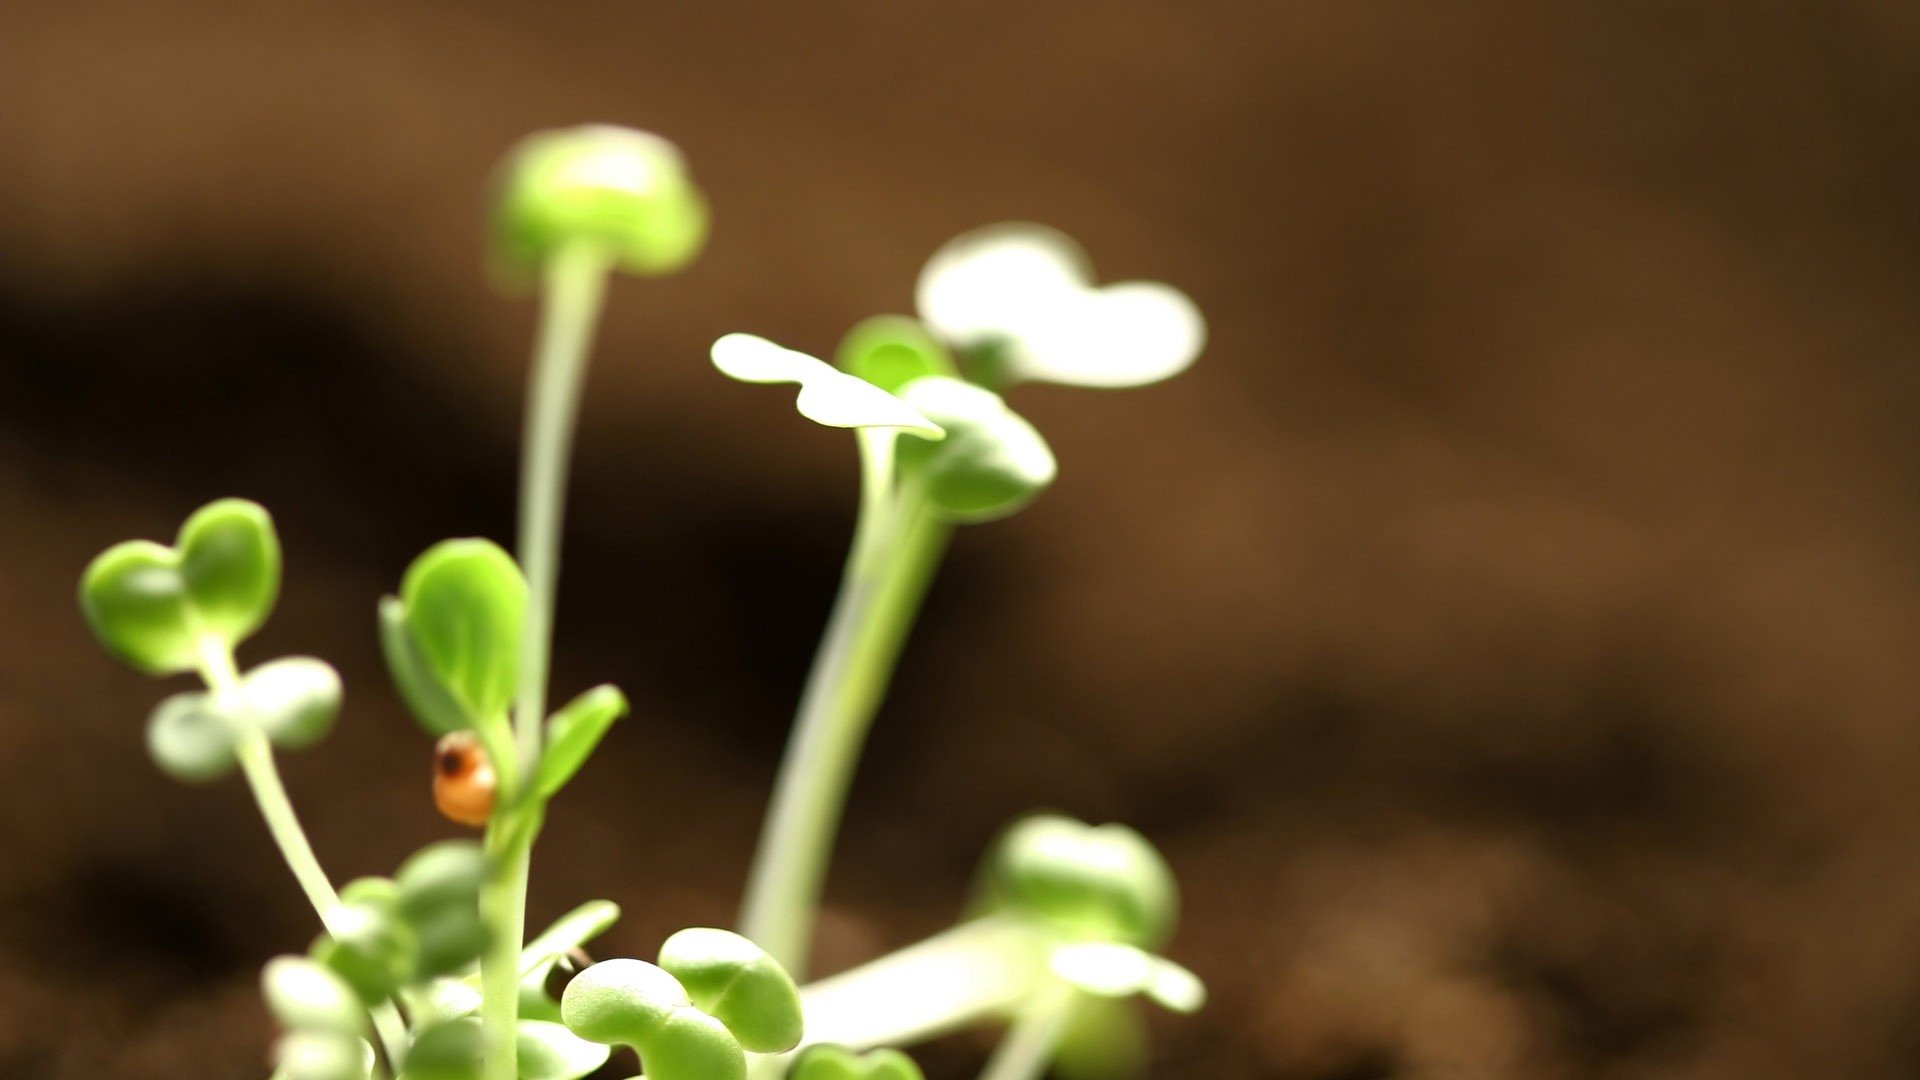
(829,1062)
(634,1003)
(891,351)
(1024,294)
(1104,883)
(626,192)
(992,461)
(827,396)
(462,603)
(572,733)
(190,739)
(293,700)
(151,604)
(736,982)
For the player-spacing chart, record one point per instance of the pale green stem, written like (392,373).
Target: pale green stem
(255,755)
(979,970)
(1028,1048)
(975,971)
(574,284)
(887,575)
(503,909)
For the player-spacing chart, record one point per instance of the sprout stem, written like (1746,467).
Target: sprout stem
(574,284)
(255,754)
(974,971)
(897,546)
(1030,1042)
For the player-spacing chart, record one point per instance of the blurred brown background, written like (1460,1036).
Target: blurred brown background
(1509,629)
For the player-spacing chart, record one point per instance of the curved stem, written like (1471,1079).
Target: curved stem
(897,546)
(255,755)
(575,283)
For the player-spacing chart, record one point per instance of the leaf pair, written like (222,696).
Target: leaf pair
(1021,297)
(712,997)
(156,606)
(423,923)
(195,736)
(976,459)
(622,191)
(452,644)
(1102,883)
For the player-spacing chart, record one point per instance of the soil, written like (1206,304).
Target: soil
(1508,629)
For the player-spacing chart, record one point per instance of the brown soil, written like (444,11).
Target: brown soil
(1509,630)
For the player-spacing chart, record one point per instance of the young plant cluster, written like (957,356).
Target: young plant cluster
(429,975)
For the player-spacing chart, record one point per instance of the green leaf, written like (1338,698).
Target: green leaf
(230,560)
(447,1051)
(568,932)
(150,604)
(634,1003)
(548,1051)
(307,996)
(323,1055)
(736,982)
(891,351)
(1104,883)
(1024,293)
(572,734)
(368,943)
(293,700)
(992,461)
(463,603)
(135,602)
(429,702)
(624,191)
(439,894)
(829,397)
(190,739)
(829,1062)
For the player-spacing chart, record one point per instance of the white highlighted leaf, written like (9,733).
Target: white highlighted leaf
(827,395)
(1028,292)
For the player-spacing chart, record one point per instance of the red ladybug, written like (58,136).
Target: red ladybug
(462,779)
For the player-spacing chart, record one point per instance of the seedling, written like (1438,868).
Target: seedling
(428,975)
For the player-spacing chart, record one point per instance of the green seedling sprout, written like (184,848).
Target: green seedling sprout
(634,1003)
(1019,300)
(426,975)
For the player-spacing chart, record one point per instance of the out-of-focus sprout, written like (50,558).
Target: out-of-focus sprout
(1019,300)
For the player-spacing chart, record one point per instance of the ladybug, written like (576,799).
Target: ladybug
(462,779)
